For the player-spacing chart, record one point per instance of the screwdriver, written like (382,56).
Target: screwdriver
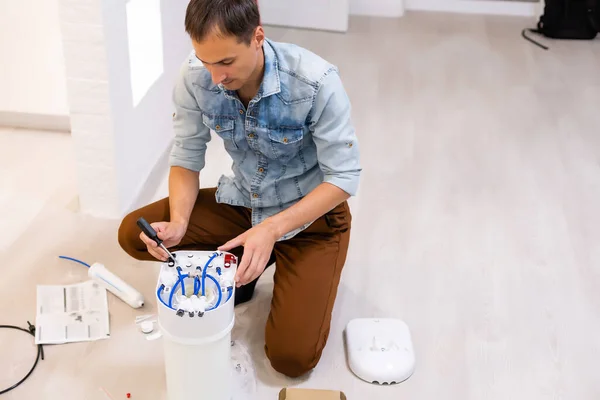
(151,233)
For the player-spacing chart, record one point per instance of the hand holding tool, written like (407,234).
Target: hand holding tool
(151,233)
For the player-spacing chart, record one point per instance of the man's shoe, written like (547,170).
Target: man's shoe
(244,293)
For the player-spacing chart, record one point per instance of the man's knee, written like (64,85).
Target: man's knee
(291,358)
(129,238)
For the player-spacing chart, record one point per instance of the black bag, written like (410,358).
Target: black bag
(568,19)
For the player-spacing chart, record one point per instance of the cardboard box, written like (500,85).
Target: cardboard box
(309,394)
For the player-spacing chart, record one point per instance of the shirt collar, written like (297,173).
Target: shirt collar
(270,84)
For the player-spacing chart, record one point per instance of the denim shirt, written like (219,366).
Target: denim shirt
(295,134)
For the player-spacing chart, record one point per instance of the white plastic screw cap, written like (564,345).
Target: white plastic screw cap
(147,326)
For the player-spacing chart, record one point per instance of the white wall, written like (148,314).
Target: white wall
(144,131)
(120,137)
(315,14)
(32,71)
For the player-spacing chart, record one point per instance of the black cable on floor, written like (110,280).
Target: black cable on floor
(531,40)
(40,353)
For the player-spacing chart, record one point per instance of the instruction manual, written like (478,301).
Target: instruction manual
(71,313)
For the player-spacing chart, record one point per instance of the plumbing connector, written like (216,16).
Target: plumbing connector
(226,283)
(199,304)
(168,278)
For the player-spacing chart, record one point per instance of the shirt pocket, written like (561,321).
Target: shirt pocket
(285,142)
(224,127)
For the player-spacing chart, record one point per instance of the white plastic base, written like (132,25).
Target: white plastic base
(380,351)
(201,371)
(196,326)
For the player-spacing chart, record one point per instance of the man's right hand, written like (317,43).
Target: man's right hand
(170,233)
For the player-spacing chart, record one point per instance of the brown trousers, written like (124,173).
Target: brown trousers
(307,272)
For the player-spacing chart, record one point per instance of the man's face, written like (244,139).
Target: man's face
(228,60)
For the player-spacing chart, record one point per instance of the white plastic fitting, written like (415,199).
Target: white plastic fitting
(168,278)
(226,283)
(199,304)
(202,304)
(100,274)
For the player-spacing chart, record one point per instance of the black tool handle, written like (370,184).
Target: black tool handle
(148,230)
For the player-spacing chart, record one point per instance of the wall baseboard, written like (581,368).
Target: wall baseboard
(45,122)
(379,8)
(492,7)
(395,8)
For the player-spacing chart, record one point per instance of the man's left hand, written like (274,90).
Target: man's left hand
(258,245)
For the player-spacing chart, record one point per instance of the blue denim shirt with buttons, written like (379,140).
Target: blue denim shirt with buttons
(295,133)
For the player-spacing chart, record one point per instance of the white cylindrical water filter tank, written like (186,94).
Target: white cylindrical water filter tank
(196,326)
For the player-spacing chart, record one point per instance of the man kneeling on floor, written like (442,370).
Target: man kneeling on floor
(284,117)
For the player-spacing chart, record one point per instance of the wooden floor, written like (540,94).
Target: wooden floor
(477,222)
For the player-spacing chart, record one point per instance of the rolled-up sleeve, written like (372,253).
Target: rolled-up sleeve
(334,135)
(191,135)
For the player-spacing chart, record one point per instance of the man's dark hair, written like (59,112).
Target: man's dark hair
(237,18)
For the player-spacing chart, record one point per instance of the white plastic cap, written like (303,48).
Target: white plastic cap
(196,304)
(147,326)
(203,302)
(185,304)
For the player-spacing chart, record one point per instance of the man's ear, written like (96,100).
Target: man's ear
(259,37)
